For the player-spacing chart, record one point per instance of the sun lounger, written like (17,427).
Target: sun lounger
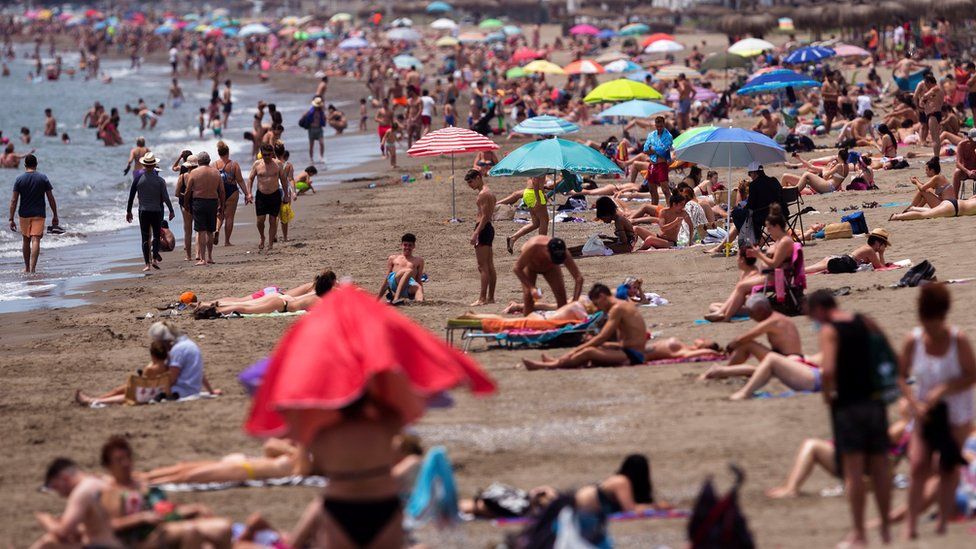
(524,332)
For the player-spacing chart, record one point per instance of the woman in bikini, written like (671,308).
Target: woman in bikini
(485,161)
(534,197)
(281,459)
(275,302)
(935,190)
(822,180)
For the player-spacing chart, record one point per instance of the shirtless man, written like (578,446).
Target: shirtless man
(483,237)
(205,192)
(11,159)
(829,92)
(92,116)
(50,124)
(322,87)
(384,120)
(267,200)
(861,130)
(686,93)
(965,161)
(542,255)
(670,224)
(871,253)
(85,521)
(175,94)
(779,329)
(768,123)
(404,272)
(619,343)
(226,100)
(414,110)
(929,99)
(135,154)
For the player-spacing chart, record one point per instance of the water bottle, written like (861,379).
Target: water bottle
(684,235)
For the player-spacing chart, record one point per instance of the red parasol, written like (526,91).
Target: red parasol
(451,140)
(347,345)
(655,37)
(524,54)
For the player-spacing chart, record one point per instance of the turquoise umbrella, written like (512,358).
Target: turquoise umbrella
(438,7)
(550,156)
(634,29)
(635,108)
(545,125)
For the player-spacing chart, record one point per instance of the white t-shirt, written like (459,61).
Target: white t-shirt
(427,106)
(863,104)
(173,55)
(899,35)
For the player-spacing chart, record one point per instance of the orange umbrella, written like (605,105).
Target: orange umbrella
(584,66)
(655,37)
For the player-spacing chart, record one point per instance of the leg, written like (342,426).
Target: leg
(541,213)
(722,372)
(260,224)
(879,467)
(145,237)
(230,210)
(156,226)
(322,148)
(209,239)
(853,465)
(533,225)
(935,129)
(812,452)
(26,249)
(187,232)
(272,230)
(482,255)
(751,349)
(555,279)
(201,248)
(35,252)
(793,374)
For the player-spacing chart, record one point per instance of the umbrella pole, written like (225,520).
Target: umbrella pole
(728,218)
(454,218)
(552,218)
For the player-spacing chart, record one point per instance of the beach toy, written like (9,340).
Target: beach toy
(405,178)
(188,297)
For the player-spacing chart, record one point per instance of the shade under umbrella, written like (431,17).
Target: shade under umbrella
(635,109)
(808,54)
(451,141)
(545,125)
(621,89)
(621,65)
(350,345)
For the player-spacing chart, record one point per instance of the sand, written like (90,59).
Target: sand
(563,428)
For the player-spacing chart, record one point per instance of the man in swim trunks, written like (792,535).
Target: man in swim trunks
(965,161)
(227,102)
(206,196)
(669,222)
(829,93)
(929,98)
(779,329)
(384,120)
(620,342)
(403,273)
(658,148)
(686,93)
(267,200)
(316,119)
(542,255)
(768,123)
(483,237)
(85,522)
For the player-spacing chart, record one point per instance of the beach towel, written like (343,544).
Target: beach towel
(434,493)
(717,357)
(264,315)
(616,517)
(736,318)
(494,325)
(191,398)
(889,267)
(763,395)
(534,337)
(295,480)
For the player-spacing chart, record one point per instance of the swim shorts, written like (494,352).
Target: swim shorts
(658,173)
(32,226)
(425,120)
(830,109)
(267,204)
(204,214)
(314,134)
(684,106)
(528,196)
(487,235)
(860,427)
(634,356)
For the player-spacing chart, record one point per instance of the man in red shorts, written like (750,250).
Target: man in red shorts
(384,120)
(658,149)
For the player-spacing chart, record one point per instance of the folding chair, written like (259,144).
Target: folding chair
(786,293)
(794,211)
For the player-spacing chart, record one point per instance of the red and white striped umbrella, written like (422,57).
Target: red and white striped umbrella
(584,66)
(453,141)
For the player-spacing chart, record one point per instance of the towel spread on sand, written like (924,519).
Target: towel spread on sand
(191,398)
(295,480)
(644,515)
(705,358)
(736,318)
(265,315)
(763,395)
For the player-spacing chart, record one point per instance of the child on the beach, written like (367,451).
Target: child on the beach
(389,143)
(362,115)
(201,121)
(303,183)
(449,114)
(217,126)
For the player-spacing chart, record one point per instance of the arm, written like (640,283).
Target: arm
(483,218)
(132,196)
(386,286)
(577,277)
(209,388)
(13,209)
(250,181)
(174,374)
(966,379)
(904,371)
(758,330)
(828,362)
(66,527)
(781,254)
(54,207)
(606,334)
(166,201)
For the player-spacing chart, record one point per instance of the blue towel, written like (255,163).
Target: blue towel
(434,493)
(762,395)
(736,318)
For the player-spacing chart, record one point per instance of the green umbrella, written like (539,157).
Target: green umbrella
(517,72)
(491,24)
(689,133)
(724,61)
(301,35)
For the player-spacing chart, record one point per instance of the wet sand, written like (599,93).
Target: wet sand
(562,428)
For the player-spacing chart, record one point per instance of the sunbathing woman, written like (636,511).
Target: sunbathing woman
(281,459)
(574,310)
(826,180)
(946,208)
(534,197)
(782,254)
(297,291)
(935,190)
(672,348)
(280,302)
(794,371)
(871,253)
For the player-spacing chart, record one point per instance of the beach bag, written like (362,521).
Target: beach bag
(719,523)
(286,214)
(858,184)
(884,371)
(305,122)
(859,224)
(594,247)
(842,264)
(924,271)
(838,230)
(747,235)
(898,164)
(505,501)
(798,143)
(143,390)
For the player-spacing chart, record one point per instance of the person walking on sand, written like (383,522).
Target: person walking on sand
(233,181)
(151,189)
(314,123)
(30,189)
(205,192)
(483,237)
(267,199)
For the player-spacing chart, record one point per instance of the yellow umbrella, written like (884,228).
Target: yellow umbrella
(446,42)
(543,66)
(342,16)
(621,90)
(289,21)
(671,72)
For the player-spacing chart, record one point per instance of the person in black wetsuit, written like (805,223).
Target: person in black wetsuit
(859,416)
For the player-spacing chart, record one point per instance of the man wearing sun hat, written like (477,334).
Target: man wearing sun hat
(314,123)
(152,192)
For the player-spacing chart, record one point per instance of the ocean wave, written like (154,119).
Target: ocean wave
(12,248)
(13,291)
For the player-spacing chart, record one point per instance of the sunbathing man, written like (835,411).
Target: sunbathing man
(778,328)
(624,324)
(85,521)
(542,255)
(404,272)
(670,224)
(871,253)
(768,123)
(284,303)
(281,458)
(936,189)
(859,131)
(946,208)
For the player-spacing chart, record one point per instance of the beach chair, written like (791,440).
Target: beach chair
(565,336)
(786,291)
(794,212)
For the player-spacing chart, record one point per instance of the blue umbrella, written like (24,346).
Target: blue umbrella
(640,76)
(253,28)
(606,34)
(163,29)
(497,36)
(809,54)
(732,147)
(511,30)
(545,125)
(353,43)
(439,7)
(777,80)
(636,108)
(407,61)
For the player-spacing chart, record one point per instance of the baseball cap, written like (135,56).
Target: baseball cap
(754,166)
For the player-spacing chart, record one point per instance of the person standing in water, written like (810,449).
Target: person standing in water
(483,237)
(233,181)
(151,189)
(30,189)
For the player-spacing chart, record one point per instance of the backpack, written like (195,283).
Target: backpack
(842,264)
(924,271)
(719,523)
(305,122)
(884,366)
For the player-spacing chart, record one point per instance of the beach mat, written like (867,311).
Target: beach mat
(296,480)
(616,517)
(765,395)
(265,315)
(736,318)
(198,396)
(706,358)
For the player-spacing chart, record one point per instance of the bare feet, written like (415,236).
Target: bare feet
(227,244)
(739,395)
(781,492)
(261,245)
(478,303)
(146,269)
(508,245)
(82,398)
(707,374)
(533,364)
(715,317)
(209,261)
(200,262)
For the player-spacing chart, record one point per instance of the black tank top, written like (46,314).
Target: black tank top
(853,366)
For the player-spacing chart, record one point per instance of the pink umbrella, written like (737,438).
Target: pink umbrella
(584,29)
(701,94)
(181,24)
(452,141)
(524,54)
(847,50)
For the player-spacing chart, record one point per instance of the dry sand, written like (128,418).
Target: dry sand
(563,428)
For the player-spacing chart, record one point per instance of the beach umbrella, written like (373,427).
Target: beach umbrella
(750,47)
(516,72)
(230,31)
(347,346)
(545,125)
(446,41)
(701,94)
(287,31)
(511,30)
(443,24)
(438,7)
(636,108)
(471,37)
(640,76)
(290,21)
(407,61)
(672,72)
(610,56)
(606,34)
(621,65)
(808,54)
(340,17)
(634,29)
(847,50)
(621,90)
(785,24)
(584,66)
(663,46)
(402,22)
(252,29)
(729,147)
(656,37)
(491,23)
(217,33)
(544,67)
(724,61)
(163,30)
(325,34)
(191,17)
(524,54)
(451,141)
(770,70)
(775,81)
(551,156)
(495,37)
(584,29)
(689,133)
(93,14)
(404,35)
(354,43)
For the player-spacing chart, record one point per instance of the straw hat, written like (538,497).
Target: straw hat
(882,234)
(191,161)
(317,102)
(149,160)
